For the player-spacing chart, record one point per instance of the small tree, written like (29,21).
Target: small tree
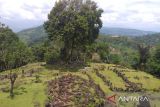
(13,53)
(12,77)
(144,54)
(37,80)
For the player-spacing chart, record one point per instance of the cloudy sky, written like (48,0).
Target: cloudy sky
(137,14)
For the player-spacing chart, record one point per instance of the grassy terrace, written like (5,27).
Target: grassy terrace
(99,81)
(28,93)
(116,81)
(149,82)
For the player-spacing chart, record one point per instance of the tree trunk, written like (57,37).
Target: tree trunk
(12,81)
(71,52)
(11,89)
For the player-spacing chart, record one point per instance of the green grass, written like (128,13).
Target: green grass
(149,82)
(27,92)
(25,96)
(81,75)
(99,81)
(116,81)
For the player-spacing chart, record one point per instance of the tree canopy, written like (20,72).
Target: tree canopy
(76,23)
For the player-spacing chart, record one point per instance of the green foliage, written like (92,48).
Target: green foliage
(157,54)
(152,39)
(51,56)
(76,23)
(39,52)
(13,53)
(121,50)
(115,59)
(153,65)
(52,53)
(33,35)
(101,48)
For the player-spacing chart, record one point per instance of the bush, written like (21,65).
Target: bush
(37,79)
(153,65)
(115,59)
(153,68)
(38,52)
(52,57)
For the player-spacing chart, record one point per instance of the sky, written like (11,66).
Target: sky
(136,14)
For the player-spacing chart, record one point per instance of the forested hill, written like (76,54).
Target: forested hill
(151,39)
(32,35)
(124,31)
(37,34)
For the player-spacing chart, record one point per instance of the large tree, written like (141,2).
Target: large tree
(74,22)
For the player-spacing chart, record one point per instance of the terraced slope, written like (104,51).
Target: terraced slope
(39,86)
(71,91)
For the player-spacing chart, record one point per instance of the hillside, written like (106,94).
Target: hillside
(34,87)
(124,31)
(32,35)
(38,34)
(152,39)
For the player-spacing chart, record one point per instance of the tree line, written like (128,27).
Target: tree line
(13,52)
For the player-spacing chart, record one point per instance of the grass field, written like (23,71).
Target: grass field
(28,93)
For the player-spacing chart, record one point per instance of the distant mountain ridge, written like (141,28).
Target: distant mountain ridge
(124,31)
(36,34)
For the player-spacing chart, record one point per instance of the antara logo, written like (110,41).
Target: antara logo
(133,98)
(112,99)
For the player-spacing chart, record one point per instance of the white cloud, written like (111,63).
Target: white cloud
(18,9)
(124,13)
(134,13)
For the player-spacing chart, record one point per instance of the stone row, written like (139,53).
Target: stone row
(65,90)
(109,83)
(130,86)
